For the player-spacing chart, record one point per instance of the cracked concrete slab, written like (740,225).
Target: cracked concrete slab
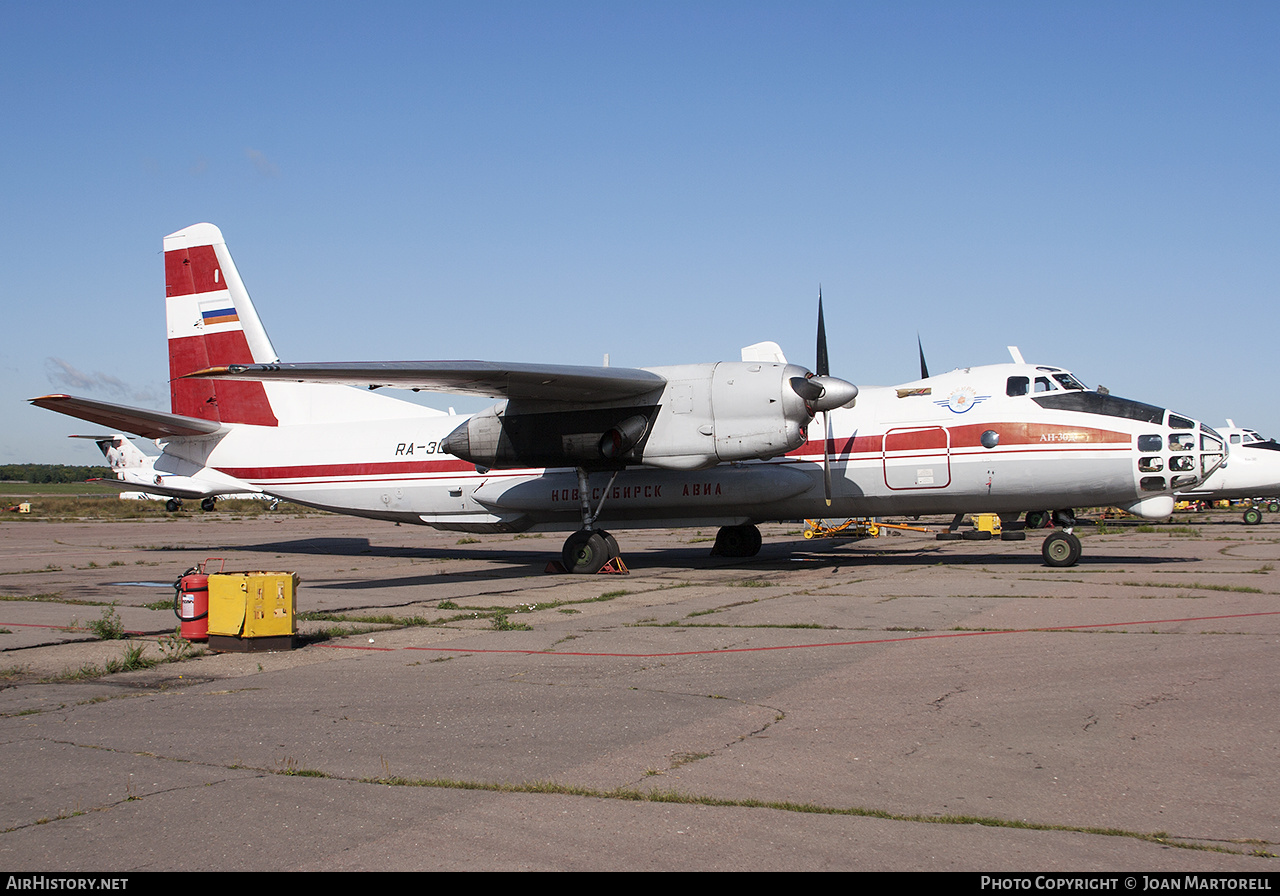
(889,704)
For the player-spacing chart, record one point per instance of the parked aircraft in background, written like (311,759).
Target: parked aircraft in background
(581,448)
(137,475)
(1252,471)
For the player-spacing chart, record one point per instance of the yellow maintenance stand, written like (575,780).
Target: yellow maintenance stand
(252,611)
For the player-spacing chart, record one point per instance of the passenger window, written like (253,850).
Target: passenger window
(1150,464)
(1017,385)
(1182,463)
(1182,441)
(1182,481)
(1152,483)
(1150,443)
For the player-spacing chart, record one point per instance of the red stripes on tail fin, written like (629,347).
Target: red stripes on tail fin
(205,301)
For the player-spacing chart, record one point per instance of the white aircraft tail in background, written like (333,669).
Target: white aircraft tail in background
(138,476)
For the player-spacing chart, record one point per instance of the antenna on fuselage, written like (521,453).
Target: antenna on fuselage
(1017,355)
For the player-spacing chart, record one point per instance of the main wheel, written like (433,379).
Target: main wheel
(208,504)
(1253,516)
(1273,506)
(737,541)
(1036,519)
(585,551)
(1061,549)
(173,505)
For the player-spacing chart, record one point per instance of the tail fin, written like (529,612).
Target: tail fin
(121,454)
(211,323)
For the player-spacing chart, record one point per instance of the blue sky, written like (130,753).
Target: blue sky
(1096,183)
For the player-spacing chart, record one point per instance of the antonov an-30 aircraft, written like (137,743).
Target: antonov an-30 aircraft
(588,448)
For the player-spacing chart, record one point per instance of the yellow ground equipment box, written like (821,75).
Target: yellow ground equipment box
(987,522)
(251,611)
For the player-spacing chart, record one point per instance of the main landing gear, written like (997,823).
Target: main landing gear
(737,541)
(589,549)
(1062,547)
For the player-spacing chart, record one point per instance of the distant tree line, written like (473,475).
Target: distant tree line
(52,473)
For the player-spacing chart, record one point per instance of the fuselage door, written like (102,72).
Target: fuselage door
(917,457)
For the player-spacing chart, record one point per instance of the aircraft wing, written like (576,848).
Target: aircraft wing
(545,382)
(140,421)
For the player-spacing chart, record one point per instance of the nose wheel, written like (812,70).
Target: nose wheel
(1061,549)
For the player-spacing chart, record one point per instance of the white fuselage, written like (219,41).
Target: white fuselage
(956,442)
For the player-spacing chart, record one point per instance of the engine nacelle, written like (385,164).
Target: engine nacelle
(704,415)
(726,412)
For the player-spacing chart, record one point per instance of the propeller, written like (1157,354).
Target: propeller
(823,392)
(924,368)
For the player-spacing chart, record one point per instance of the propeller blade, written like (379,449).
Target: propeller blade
(823,366)
(826,457)
(924,368)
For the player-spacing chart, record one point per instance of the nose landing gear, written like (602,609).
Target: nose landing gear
(1062,547)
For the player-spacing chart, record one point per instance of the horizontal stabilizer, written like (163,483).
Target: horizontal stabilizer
(166,491)
(543,382)
(141,421)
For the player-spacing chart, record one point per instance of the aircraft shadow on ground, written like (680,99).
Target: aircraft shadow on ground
(503,562)
(932,555)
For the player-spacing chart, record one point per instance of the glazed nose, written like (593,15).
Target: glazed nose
(1195,451)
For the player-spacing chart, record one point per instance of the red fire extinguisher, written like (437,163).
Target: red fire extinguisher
(191,602)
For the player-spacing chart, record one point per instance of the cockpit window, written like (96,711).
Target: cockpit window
(1096,403)
(1251,436)
(1068,381)
(1176,422)
(1235,438)
(1043,384)
(1017,385)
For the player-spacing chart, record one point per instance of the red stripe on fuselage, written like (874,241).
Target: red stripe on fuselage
(332,471)
(1012,434)
(928,436)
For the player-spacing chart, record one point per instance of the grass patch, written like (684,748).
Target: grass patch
(130,661)
(80,502)
(1196,586)
(108,627)
(629,794)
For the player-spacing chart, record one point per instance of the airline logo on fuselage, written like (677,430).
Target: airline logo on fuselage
(962,400)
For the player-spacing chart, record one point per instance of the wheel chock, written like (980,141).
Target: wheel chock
(615,567)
